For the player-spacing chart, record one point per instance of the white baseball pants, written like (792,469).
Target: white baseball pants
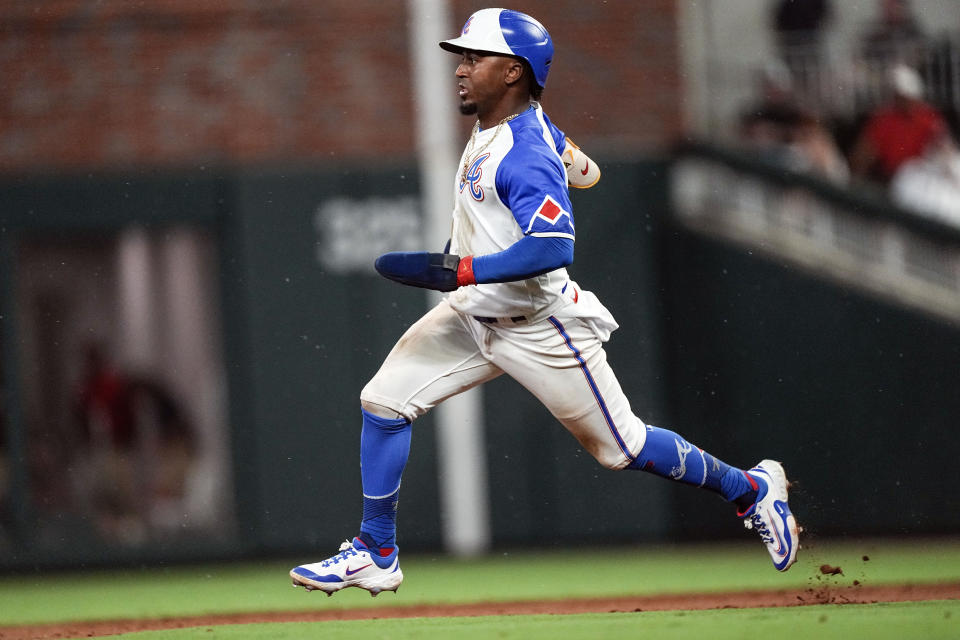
(560,360)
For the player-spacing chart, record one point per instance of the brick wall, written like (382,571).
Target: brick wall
(615,78)
(120,83)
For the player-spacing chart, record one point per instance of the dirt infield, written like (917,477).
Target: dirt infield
(857,594)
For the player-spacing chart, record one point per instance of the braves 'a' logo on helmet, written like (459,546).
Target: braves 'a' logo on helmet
(473,178)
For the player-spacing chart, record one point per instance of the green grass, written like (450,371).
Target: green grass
(895,621)
(252,587)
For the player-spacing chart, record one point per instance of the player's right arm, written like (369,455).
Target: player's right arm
(526,258)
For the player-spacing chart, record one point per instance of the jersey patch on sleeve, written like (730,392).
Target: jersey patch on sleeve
(550,219)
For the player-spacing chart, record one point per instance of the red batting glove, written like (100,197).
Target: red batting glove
(465,272)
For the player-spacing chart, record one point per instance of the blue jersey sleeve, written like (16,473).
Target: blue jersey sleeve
(531,181)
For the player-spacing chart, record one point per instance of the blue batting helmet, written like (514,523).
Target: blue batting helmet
(509,33)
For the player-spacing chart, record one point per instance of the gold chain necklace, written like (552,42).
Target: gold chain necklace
(470,157)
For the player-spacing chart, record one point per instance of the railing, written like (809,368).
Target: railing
(857,239)
(841,86)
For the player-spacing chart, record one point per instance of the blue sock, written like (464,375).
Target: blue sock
(384,448)
(668,455)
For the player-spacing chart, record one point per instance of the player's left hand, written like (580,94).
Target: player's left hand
(439,271)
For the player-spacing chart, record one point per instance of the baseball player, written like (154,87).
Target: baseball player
(513,308)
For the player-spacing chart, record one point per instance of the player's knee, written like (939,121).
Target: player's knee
(615,452)
(378,401)
(612,459)
(610,456)
(379,410)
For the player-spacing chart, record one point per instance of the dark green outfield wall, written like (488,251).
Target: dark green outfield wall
(311,338)
(746,357)
(858,398)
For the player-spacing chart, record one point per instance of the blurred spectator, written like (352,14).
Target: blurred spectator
(137,453)
(894,38)
(766,123)
(103,407)
(815,151)
(781,132)
(930,184)
(896,131)
(111,487)
(171,443)
(798,28)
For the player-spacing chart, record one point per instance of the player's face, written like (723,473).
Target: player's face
(480,81)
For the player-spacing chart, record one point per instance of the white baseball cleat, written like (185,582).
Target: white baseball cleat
(354,566)
(770,515)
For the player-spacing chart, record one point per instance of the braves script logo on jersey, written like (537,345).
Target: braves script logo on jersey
(473,178)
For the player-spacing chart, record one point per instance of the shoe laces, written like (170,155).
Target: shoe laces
(758,524)
(346,550)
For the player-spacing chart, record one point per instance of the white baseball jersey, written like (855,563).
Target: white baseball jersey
(514,185)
